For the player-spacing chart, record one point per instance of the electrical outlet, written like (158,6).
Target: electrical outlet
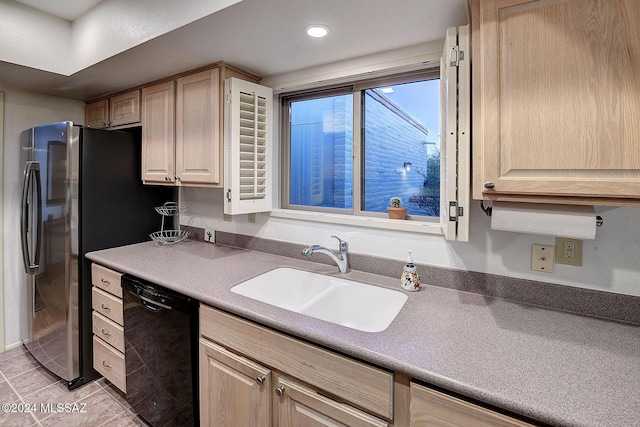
(251,217)
(226,217)
(209,235)
(542,257)
(569,251)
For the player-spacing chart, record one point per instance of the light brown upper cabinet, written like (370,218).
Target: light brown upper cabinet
(556,100)
(158,136)
(124,109)
(198,154)
(117,111)
(182,129)
(96,114)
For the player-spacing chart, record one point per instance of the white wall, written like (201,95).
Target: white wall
(22,111)
(610,262)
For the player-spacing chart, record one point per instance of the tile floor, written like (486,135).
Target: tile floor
(32,396)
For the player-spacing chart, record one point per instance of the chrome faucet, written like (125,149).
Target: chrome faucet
(340,259)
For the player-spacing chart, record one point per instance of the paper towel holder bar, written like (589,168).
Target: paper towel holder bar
(485,210)
(488,211)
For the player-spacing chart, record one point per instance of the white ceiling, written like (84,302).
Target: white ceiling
(262,36)
(65,9)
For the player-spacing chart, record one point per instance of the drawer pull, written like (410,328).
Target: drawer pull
(105,281)
(106,333)
(280,390)
(106,364)
(261,379)
(105,307)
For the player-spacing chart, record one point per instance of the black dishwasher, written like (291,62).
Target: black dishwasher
(161,353)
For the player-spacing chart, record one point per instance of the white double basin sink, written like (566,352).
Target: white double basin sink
(344,302)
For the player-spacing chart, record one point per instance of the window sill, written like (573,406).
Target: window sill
(359,221)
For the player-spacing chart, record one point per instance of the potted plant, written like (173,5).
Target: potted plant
(395,210)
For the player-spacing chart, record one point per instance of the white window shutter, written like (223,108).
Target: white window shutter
(248,147)
(455,141)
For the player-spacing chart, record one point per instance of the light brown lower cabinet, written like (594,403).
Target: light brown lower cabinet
(107,325)
(435,409)
(254,376)
(295,405)
(234,391)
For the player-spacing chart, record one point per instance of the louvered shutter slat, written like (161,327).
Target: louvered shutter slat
(249,177)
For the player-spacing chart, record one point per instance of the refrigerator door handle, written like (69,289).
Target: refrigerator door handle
(31,172)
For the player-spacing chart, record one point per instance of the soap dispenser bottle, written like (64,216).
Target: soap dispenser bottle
(410,280)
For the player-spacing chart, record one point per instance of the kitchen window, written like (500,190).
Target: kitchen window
(331,168)
(346,149)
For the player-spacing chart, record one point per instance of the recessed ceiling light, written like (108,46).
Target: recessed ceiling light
(317,31)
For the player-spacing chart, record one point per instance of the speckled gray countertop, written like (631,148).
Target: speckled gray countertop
(555,367)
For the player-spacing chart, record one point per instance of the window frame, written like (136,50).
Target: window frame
(285,144)
(356,88)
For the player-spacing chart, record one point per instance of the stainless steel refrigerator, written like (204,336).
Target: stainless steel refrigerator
(82,191)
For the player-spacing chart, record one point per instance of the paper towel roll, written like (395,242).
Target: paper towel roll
(573,221)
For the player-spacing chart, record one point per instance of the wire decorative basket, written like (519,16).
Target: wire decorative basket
(170,209)
(169,237)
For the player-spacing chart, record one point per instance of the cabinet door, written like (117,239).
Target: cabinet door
(556,98)
(296,405)
(198,128)
(432,408)
(158,138)
(234,391)
(124,109)
(96,114)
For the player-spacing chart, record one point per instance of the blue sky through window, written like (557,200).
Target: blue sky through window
(425,109)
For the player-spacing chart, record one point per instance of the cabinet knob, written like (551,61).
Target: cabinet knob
(280,390)
(489,185)
(105,281)
(177,178)
(106,333)
(105,307)
(166,178)
(106,364)
(261,379)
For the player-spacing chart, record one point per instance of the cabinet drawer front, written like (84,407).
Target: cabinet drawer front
(106,279)
(107,305)
(355,382)
(430,407)
(108,331)
(109,363)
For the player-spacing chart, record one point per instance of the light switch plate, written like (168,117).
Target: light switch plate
(542,257)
